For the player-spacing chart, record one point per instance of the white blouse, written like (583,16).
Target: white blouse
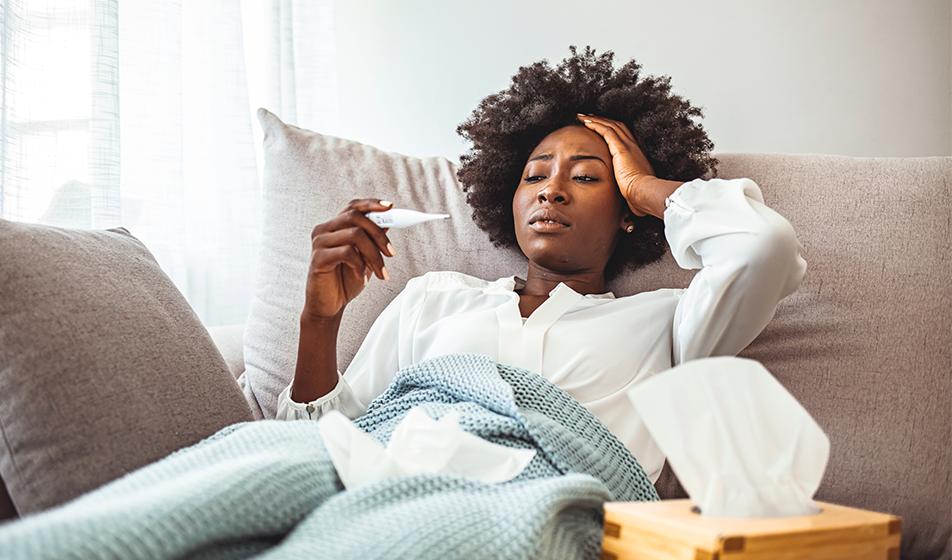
(594,346)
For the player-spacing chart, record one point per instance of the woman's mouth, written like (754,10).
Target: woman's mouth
(547,226)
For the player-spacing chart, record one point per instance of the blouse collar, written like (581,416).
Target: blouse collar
(512,283)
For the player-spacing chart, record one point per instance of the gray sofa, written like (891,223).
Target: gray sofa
(866,342)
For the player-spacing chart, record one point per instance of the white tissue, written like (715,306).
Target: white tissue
(418,444)
(740,444)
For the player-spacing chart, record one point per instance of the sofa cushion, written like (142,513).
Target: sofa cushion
(104,367)
(864,344)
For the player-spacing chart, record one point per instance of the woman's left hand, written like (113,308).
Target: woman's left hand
(628,161)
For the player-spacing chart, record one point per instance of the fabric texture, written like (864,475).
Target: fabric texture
(104,367)
(253,484)
(749,260)
(865,344)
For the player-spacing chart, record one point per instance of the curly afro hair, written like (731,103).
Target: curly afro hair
(507,126)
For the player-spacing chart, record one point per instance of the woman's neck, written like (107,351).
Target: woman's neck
(539,282)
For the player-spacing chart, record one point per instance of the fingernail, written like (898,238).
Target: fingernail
(587,120)
(386,275)
(386,203)
(390,248)
(366,280)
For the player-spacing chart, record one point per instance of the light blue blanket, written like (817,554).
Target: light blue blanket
(268,489)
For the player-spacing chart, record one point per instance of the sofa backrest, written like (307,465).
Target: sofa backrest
(866,342)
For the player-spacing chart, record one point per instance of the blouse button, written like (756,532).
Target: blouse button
(309,408)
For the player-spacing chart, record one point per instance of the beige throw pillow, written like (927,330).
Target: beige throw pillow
(308,179)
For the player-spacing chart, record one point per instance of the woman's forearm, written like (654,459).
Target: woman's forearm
(316,371)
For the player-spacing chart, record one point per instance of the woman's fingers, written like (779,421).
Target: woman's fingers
(353,239)
(614,131)
(357,237)
(369,251)
(327,258)
(615,144)
(620,129)
(369,205)
(375,233)
(356,213)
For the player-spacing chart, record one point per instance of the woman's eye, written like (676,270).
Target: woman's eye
(587,178)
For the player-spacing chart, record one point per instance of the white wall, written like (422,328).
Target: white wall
(851,77)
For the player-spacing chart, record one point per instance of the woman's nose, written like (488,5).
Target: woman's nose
(551,194)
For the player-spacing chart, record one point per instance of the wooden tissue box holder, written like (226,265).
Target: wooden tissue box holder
(672,529)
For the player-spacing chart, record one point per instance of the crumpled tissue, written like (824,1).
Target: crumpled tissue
(418,444)
(739,443)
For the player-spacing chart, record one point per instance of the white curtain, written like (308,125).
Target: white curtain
(141,114)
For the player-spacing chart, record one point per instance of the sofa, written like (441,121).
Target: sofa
(865,344)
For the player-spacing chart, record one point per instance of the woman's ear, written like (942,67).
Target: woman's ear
(628,224)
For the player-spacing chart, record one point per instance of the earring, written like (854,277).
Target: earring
(630,228)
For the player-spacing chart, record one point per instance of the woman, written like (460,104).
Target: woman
(584,200)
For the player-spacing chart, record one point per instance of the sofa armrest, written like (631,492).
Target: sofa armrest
(228,339)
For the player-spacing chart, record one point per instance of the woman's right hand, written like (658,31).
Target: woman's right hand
(345,251)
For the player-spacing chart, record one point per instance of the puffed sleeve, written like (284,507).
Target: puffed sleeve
(340,398)
(749,260)
(373,366)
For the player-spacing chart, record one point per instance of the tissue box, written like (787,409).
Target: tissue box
(672,529)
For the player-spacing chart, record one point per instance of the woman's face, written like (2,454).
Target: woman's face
(569,173)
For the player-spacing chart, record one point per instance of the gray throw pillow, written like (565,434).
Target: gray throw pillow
(104,367)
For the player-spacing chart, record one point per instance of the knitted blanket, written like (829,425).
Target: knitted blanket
(268,489)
